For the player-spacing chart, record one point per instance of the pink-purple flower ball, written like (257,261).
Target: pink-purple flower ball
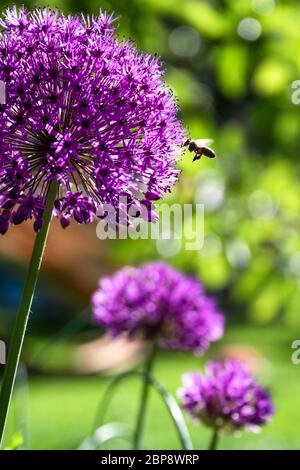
(226,397)
(160,303)
(85,110)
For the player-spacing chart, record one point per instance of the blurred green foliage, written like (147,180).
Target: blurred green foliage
(231,64)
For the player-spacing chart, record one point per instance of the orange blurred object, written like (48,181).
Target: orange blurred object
(246,354)
(75,255)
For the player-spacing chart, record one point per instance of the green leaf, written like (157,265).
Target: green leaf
(16,442)
(104,434)
(170,402)
(232,68)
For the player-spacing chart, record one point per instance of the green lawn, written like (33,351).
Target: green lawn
(62,410)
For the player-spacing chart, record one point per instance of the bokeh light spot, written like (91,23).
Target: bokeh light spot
(184,41)
(249,29)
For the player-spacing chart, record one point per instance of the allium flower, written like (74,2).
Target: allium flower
(85,110)
(228,397)
(156,301)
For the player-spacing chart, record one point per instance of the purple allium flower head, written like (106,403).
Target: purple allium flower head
(228,397)
(83,109)
(156,301)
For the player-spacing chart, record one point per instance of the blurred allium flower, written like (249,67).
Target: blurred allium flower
(82,109)
(228,397)
(156,301)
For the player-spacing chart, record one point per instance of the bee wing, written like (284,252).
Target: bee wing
(203,142)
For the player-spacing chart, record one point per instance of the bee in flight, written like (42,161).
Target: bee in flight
(200,147)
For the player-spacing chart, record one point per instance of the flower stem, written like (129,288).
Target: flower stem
(214,440)
(144,399)
(20,325)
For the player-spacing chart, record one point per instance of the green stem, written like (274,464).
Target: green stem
(169,401)
(214,440)
(20,325)
(144,399)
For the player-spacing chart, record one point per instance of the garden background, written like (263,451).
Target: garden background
(231,65)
